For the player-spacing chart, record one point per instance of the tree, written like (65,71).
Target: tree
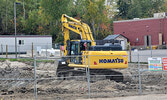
(123,7)
(129,9)
(111,7)
(6,16)
(135,10)
(77,9)
(53,10)
(31,23)
(96,16)
(164,6)
(157,5)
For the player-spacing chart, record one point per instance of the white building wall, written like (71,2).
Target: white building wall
(123,42)
(43,42)
(9,41)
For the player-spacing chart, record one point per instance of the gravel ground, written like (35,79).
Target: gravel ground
(143,97)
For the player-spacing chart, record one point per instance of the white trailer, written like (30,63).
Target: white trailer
(25,42)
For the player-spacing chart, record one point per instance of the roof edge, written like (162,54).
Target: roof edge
(25,36)
(131,20)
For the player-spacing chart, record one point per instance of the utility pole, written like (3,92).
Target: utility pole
(24,10)
(15,29)
(24,15)
(6,16)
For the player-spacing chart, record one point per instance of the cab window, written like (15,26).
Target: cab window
(74,49)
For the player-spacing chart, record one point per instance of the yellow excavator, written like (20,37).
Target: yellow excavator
(84,52)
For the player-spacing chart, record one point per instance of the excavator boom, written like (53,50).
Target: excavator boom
(69,23)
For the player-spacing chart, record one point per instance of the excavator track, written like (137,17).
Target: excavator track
(68,73)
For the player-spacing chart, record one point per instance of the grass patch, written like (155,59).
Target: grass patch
(2,59)
(45,61)
(25,60)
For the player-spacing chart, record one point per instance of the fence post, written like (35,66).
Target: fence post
(6,51)
(86,68)
(19,50)
(35,80)
(151,51)
(2,49)
(61,52)
(32,50)
(130,53)
(85,64)
(140,89)
(88,78)
(46,51)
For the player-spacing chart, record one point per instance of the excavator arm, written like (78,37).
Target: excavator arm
(78,27)
(69,23)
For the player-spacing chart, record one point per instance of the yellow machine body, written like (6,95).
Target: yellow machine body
(103,60)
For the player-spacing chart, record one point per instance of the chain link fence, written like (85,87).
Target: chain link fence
(41,79)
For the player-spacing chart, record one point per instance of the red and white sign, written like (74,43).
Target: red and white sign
(164,61)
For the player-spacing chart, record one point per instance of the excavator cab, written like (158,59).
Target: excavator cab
(75,48)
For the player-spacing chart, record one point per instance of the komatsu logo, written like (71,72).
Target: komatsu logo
(72,26)
(111,60)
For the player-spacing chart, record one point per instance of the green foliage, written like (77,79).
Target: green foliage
(55,8)
(43,16)
(135,10)
(31,23)
(6,16)
(164,6)
(146,8)
(129,9)
(77,9)
(95,14)
(59,38)
(123,6)
(52,11)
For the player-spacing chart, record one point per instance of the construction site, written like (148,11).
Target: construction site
(122,66)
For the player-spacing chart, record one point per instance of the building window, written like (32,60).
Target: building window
(21,42)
